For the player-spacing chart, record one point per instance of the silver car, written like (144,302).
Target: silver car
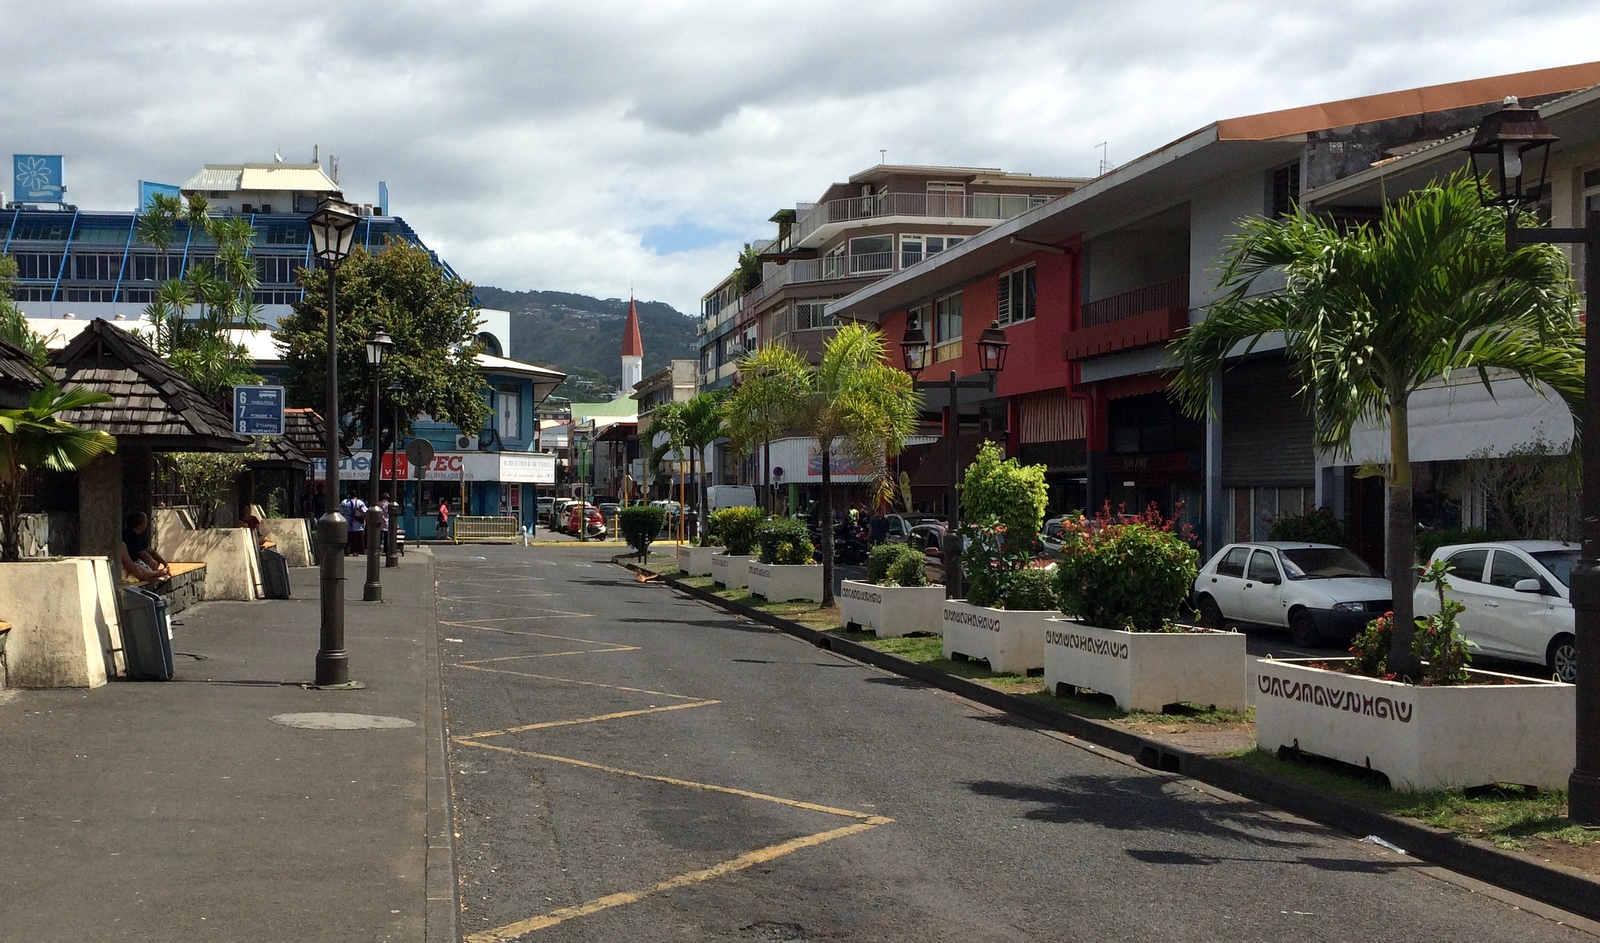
(1517,599)
(1317,591)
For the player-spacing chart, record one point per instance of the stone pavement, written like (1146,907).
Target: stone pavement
(184,810)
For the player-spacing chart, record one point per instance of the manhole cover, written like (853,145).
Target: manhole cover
(326,720)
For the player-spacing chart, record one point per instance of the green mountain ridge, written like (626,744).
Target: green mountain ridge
(582,335)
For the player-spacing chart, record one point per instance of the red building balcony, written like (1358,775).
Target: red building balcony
(1150,315)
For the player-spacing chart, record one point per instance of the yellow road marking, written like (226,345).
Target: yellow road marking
(592,684)
(747,860)
(687,784)
(584,720)
(586,651)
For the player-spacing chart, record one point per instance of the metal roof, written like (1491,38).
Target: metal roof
(297,177)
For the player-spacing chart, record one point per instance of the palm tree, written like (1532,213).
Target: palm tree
(667,420)
(34,438)
(1371,313)
(754,413)
(850,401)
(690,427)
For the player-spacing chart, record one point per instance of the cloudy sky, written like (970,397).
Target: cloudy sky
(590,146)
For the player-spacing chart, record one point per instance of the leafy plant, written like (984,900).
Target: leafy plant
(986,561)
(639,526)
(737,528)
(1371,646)
(1313,527)
(784,541)
(1030,588)
(1438,643)
(908,569)
(1125,574)
(36,438)
(879,559)
(207,478)
(1007,492)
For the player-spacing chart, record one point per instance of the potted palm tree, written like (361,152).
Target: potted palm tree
(1369,314)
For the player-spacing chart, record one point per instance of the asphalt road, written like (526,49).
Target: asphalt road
(631,765)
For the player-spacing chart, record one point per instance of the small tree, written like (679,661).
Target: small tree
(640,526)
(1007,492)
(32,439)
(737,528)
(208,478)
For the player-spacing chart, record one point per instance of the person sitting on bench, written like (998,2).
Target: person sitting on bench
(138,557)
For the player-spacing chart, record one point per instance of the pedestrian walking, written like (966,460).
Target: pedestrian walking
(444,517)
(355,511)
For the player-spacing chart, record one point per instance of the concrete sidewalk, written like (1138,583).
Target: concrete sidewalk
(175,811)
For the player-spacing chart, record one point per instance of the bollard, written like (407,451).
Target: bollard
(333,662)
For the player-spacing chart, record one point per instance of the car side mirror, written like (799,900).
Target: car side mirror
(1529,586)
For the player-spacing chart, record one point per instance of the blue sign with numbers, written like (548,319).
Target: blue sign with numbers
(258,410)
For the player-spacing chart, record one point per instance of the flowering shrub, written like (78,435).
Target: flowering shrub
(1437,643)
(988,561)
(784,541)
(1125,574)
(1371,646)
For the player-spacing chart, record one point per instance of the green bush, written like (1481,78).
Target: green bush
(783,541)
(1313,527)
(640,526)
(1430,540)
(1011,494)
(907,569)
(986,561)
(879,559)
(1030,588)
(1125,574)
(737,528)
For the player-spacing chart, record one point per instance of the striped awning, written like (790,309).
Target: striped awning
(1051,416)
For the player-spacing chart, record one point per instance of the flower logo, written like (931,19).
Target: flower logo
(33,173)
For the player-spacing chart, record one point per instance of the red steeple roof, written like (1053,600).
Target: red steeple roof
(632,346)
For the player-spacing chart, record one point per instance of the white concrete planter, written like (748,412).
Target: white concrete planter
(730,571)
(233,565)
(1146,671)
(1010,640)
(1420,737)
(696,561)
(890,610)
(64,624)
(292,536)
(776,583)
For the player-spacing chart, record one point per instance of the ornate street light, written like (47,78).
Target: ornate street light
(377,345)
(333,230)
(992,345)
(1514,140)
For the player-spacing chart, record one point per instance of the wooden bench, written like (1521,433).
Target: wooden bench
(185,587)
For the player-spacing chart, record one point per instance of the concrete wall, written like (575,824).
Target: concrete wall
(293,537)
(233,571)
(1133,258)
(64,625)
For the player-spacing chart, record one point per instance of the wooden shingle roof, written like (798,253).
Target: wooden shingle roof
(152,406)
(16,369)
(304,427)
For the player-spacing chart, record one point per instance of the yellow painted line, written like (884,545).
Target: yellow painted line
(592,684)
(586,651)
(747,860)
(687,784)
(584,720)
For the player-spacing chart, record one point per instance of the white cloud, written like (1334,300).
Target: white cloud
(537,145)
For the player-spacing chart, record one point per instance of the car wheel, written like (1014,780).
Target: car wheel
(1562,658)
(1211,614)
(1303,629)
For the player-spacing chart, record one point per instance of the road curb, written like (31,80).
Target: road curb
(1557,885)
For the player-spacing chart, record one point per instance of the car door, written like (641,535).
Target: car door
(1225,583)
(1520,621)
(1466,583)
(1261,597)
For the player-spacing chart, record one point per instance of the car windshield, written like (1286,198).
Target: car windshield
(1559,563)
(1323,563)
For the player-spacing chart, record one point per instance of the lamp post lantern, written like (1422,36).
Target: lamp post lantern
(392,535)
(992,346)
(333,230)
(377,345)
(1511,144)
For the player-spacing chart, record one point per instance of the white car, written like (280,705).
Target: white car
(1518,604)
(1316,591)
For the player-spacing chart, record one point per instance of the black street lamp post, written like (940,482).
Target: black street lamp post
(1510,144)
(333,229)
(377,345)
(992,346)
(392,535)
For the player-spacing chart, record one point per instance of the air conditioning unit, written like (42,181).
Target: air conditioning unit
(466,443)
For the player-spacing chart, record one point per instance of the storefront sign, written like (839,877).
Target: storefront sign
(460,466)
(528,468)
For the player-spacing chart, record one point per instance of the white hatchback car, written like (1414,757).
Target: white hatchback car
(1518,604)
(1316,591)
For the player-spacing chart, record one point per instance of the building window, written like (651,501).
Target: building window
(810,315)
(946,199)
(96,267)
(750,336)
(914,249)
(510,412)
(91,294)
(38,265)
(1018,289)
(153,268)
(1283,193)
(910,250)
(277,269)
(833,263)
(947,319)
(871,254)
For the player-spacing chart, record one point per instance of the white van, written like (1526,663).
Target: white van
(731,496)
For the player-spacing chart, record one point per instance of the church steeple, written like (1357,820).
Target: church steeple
(632,350)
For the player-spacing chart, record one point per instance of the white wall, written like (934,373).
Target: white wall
(1461,420)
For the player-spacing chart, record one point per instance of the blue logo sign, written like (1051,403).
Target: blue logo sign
(148,191)
(38,178)
(258,410)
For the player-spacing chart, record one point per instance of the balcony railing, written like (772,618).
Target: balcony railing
(864,265)
(1172,293)
(982,206)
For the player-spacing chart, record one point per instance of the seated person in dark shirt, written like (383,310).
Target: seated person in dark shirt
(139,559)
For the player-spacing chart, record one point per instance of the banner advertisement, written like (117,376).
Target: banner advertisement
(527,468)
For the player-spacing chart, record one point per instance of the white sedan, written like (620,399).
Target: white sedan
(1518,605)
(1316,591)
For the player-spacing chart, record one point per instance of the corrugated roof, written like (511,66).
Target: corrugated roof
(215,177)
(299,177)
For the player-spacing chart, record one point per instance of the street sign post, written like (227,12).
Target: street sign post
(258,410)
